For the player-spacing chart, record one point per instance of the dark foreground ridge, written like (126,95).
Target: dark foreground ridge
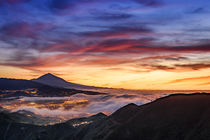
(175,117)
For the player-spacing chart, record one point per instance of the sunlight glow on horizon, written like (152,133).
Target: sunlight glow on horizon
(156,80)
(130,44)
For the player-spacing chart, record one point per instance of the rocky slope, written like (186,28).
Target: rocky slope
(175,117)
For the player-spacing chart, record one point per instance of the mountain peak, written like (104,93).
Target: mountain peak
(49,76)
(53,80)
(50,79)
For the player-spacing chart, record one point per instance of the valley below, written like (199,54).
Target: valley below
(177,116)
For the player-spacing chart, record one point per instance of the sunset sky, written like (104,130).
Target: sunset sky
(131,44)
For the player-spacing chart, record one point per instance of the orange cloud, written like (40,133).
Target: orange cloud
(190,79)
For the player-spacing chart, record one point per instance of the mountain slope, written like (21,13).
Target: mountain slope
(52,80)
(14,130)
(16,84)
(175,117)
(19,87)
(184,117)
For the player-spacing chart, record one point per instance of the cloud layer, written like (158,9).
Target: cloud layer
(130,36)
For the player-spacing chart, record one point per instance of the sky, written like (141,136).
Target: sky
(131,44)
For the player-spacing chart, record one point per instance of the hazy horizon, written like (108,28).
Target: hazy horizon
(109,89)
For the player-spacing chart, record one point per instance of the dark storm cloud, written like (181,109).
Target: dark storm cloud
(13,1)
(64,4)
(143,46)
(22,56)
(117,45)
(186,49)
(67,4)
(23,29)
(196,66)
(198,10)
(158,67)
(113,16)
(120,42)
(19,29)
(132,29)
(176,67)
(165,58)
(118,30)
(176,58)
(152,3)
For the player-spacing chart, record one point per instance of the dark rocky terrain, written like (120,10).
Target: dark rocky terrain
(27,117)
(175,117)
(13,129)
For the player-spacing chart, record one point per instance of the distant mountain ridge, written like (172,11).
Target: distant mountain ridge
(52,80)
(15,84)
(20,87)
